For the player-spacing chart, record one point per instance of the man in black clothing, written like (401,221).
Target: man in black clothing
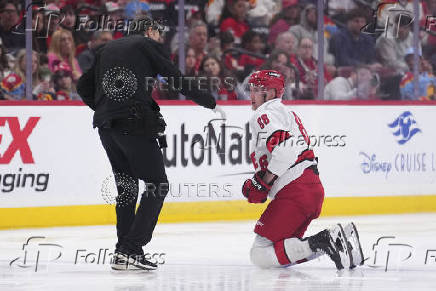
(11,31)
(129,124)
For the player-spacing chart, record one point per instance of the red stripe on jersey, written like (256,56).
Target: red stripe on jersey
(277,138)
(304,156)
(279,248)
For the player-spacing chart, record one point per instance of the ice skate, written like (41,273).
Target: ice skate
(333,243)
(354,246)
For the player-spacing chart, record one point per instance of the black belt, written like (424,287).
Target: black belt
(133,126)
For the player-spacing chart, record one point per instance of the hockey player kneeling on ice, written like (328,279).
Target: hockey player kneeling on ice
(286,171)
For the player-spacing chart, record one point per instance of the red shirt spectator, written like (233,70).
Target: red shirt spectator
(308,68)
(235,21)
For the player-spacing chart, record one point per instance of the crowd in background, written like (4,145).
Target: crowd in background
(368,53)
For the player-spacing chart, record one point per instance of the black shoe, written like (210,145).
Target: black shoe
(123,262)
(333,243)
(119,263)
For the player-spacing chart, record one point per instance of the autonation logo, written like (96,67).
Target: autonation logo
(405,127)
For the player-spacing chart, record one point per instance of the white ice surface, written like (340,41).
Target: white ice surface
(214,256)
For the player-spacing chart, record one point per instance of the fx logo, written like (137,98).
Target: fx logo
(19,139)
(393,9)
(33,254)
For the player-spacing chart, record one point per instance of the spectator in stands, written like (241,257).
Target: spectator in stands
(68,14)
(163,90)
(131,10)
(226,40)
(279,60)
(44,90)
(429,35)
(287,42)
(62,48)
(229,54)
(198,41)
(39,35)
(13,84)
(338,9)
(260,13)
(308,28)
(86,58)
(9,19)
(288,16)
(426,80)
(190,61)
(361,84)
(115,12)
(252,42)
(220,83)
(63,82)
(392,50)
(213,11)
(276,58)
(50,22)
(307,67)
(12,87)
(350,46)
(4,62)
(233,18)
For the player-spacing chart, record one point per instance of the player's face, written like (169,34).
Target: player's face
(259,96)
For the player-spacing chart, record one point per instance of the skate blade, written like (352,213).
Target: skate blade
(354,245)
(341,244)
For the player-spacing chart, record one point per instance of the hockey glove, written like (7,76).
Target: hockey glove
(255,189)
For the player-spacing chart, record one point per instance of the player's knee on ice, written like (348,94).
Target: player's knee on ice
(262,253)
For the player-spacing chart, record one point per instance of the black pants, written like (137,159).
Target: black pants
(138,157)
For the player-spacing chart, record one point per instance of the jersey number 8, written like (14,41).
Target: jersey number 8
(262,120)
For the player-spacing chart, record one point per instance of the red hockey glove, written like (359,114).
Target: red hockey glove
(255,189)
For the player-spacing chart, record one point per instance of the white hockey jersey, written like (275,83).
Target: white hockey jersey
(279,143)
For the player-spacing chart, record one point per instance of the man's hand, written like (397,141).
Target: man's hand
(256,189)
(219,109)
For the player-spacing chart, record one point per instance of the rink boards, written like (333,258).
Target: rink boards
(373,159)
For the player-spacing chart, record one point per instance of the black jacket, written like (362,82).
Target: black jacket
(116,82)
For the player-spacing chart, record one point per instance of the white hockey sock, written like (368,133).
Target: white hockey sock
(293,251)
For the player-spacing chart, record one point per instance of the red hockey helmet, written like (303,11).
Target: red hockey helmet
(268,79)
